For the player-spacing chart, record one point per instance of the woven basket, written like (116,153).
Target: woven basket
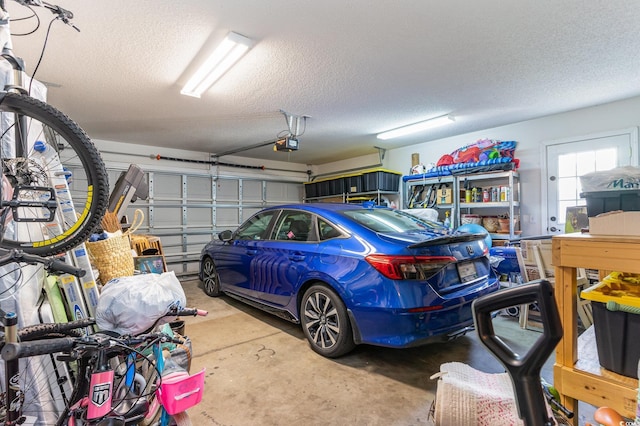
(113,256)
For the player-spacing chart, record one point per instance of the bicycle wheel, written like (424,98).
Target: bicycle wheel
(46,383)
(40,216)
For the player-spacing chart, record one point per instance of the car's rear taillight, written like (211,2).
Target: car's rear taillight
(408,267)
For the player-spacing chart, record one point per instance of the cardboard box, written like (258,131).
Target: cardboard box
(615,223)
(529,257)
(445,196)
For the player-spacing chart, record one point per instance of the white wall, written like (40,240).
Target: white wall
(529,135)
(120,155)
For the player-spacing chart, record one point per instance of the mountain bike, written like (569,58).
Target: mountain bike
(98,395)
(44,155)
(58,373)
(36,386)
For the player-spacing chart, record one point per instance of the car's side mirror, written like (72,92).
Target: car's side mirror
(225,236)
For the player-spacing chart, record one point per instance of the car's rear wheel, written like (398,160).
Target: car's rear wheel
(210,278)
(325,322)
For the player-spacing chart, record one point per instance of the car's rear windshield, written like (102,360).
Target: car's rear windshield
(387,220)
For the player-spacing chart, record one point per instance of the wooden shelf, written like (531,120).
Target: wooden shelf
(577,372)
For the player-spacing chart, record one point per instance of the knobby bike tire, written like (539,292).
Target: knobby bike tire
(57,130)
(49,331)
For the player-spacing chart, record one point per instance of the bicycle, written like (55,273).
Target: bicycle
(41,148)
(114,379)
(97,396)
(41,372)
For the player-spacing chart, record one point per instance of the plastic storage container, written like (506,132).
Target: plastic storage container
(381,180)
(353,183)
(616,331)
(607,201)
(310,189)
(336,186)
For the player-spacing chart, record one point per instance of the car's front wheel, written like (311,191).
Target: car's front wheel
(325,322)
(210,278)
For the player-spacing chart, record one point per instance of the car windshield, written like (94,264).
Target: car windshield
(387,221)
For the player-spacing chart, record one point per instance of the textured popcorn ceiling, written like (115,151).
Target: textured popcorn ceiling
(357,67)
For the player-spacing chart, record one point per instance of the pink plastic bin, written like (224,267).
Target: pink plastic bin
(180,392)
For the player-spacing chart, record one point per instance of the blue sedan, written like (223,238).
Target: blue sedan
(352,274)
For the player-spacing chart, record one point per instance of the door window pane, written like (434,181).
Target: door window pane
(573,165)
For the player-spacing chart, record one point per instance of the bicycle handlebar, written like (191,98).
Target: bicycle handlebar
(94,342)
(50,264)
(13,351)
(189,312)
(180,312)
(62,14)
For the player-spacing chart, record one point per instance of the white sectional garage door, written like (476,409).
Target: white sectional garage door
(186,210)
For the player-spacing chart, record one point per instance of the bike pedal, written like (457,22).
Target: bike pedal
(23,197)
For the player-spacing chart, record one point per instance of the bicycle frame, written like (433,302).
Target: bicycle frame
(40,147)
(13,403)
(20,130)
(13,351)
(99,403)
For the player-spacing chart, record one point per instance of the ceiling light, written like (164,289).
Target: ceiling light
(416,127)
(230,50)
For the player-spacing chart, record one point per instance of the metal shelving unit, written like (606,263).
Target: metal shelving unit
(458,184)
(509,206)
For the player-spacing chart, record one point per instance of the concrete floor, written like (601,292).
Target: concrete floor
(261,371)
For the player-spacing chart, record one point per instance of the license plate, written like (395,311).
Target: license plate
(467,271)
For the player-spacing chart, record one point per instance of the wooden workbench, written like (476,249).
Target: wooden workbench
(577,372)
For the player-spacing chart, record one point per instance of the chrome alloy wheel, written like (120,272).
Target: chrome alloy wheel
(325,322)
(210,278)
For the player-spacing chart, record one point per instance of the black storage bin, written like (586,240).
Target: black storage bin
(381,180)
(353,184)
(324,188)
(617,339)
(607,201)
(310,189)
(336,186)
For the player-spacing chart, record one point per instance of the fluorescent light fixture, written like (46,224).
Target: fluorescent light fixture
(417,127)
(230,50)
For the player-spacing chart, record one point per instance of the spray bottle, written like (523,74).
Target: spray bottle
(447,220)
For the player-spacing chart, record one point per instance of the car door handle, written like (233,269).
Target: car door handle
(251,252)
(297,257)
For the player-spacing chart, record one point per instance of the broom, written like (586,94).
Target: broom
(110,222)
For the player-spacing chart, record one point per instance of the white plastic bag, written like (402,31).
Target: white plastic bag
(618,179)
(130,305)
(428,214)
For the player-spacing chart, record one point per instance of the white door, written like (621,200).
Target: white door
(569,159)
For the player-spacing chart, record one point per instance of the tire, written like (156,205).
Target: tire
(45,233)
(513,311)
(210,278)
(155,408)
(325,323)
(43,380)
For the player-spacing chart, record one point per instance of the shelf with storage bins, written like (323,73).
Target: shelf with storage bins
(577,373)
(370,184)
(496,195)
